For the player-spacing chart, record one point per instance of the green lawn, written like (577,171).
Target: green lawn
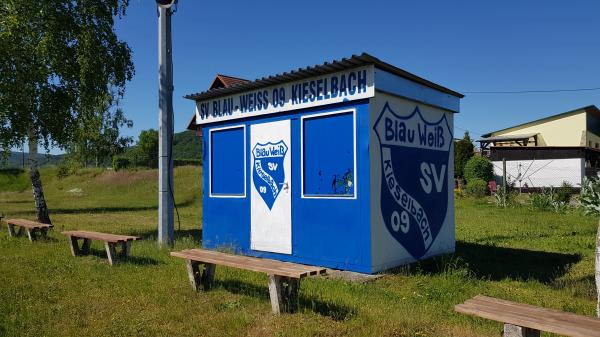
(518,254)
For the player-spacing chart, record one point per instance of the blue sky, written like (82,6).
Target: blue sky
(463,45)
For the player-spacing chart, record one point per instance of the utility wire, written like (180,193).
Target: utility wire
(469,131)
(531,91)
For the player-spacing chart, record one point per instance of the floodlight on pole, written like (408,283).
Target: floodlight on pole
(165,3)
(165,105)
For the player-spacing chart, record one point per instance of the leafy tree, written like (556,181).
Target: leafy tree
(99,139)
(186,145)
(59,61)
(147,148)
(463,151)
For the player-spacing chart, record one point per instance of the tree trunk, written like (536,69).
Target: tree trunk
(36,182)
(598,269)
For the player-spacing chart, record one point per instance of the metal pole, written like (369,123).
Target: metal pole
(165,103)
(503,182)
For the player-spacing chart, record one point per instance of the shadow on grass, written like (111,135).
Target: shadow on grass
(152,235)
(19,202)
(498,263)
(137,260)
(331,310)
(38,239)
(107,209)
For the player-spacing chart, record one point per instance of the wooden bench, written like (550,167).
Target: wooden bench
(31,227)
(284,277)
(110,243)
(524,320)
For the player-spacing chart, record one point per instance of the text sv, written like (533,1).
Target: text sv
(428,170)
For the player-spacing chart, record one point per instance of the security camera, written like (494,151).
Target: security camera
(166,3)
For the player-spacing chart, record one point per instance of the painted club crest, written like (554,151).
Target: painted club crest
(415,156)
(268,171)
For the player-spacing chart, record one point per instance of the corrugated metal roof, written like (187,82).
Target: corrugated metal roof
(316,70)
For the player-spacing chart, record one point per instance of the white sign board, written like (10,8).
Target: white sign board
(348,85)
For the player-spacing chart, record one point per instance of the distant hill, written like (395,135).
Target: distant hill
(186,145)
(15,160)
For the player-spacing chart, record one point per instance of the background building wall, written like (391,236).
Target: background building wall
(536,173)
(566,131)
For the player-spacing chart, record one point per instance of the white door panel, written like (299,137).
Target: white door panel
(271,187)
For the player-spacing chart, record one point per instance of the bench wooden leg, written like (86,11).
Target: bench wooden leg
(200,279)
(11,230)
(193,274)
(518,331)
(125,249)
(31,234)
(85,247)
(111,253)
(284,294)
(74,246)
(44,232)
(208,276)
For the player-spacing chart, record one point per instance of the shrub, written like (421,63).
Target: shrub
(120,163)
(67,167)
(590,196)
(506,199)
(477,188)
(541,201)
(479,168)
(62,171)
(563,193)
(548,200)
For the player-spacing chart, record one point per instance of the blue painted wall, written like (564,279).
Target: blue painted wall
(333,233)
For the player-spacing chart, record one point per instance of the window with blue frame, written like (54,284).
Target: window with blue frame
(227,162)
(328,155)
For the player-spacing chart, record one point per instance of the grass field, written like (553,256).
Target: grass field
(518,254)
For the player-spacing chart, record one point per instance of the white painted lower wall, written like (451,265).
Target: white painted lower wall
(543,172)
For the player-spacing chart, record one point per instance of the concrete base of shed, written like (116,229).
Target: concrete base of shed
(352,276)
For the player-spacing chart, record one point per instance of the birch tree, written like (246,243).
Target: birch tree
(59,60)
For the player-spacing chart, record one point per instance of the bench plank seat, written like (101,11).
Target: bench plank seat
(28,223)
(267,266)
(30,226)
(110,243)
(106,237)
(530,317)
(284,277)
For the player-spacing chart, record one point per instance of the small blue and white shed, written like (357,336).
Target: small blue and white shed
(347,165)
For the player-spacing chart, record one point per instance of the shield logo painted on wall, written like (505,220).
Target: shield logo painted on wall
(268,170)
(415,156)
